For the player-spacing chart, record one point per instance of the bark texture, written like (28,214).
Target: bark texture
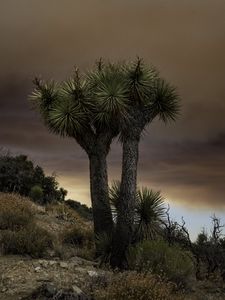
(97,146)
(126,207)
(99,193)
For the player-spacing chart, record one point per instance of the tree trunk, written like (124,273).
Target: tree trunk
(126,207)
(99,193)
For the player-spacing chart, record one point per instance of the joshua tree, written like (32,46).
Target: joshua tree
(76,108)
(93,109)
(149,97)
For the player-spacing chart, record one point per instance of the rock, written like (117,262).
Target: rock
(52,262)
(92,273)
(80,270)
(64,265)
(37,269)
(77,290)
(75,264)
(4,290)
(43,263)
(50,289)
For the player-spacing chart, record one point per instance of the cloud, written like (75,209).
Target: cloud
(185,40)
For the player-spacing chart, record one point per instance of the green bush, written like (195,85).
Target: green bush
(78,236)
(172,262)
(31,240)
(83,210)
(15,212)
(36,193)
(135,286)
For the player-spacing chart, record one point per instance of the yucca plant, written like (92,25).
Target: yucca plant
(93,108)
(149,97)
(104,247)
(82,108)
(149,213)
(150,210)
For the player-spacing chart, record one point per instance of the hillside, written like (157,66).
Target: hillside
(58,261)
(59,267)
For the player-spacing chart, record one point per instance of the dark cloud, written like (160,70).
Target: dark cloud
(184,39)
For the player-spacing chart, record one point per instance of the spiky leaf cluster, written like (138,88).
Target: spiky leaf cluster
(112,97)
(165,101)
(107,85)
(140,81)
(150,211)
(44,96)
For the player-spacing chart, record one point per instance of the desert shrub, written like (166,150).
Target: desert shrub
(78,236)
(172,262)
(31,240)
(83,210)
(104,245)
(63,212)
(36,193)
(16,212)
(133,286)
(19,174)
(87,252)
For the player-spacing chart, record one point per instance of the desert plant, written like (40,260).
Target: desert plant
(78,236)
(172,262)
(150,210)
(82,209)
(19,175)
(149,97)
(133,286)
(209,250)
(16,212)
(148,215)
(36,193)
(104,244)
(31,240)
(93,109)
(75,109)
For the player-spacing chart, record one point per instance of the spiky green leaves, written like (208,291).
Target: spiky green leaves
(76,90)
(140,81)
(114,193)
(150,211)
(113,97)
(66,118)
(44,96)
(165,101)
(65,108)
(110,94)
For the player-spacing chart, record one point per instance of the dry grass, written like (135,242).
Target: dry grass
(62,212)
(16,212)
(81,240)
(76,235)
(133,286)
(31,240)
(19,233)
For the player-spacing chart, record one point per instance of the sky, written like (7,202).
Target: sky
(184,40)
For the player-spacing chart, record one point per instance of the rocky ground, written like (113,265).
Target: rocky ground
(24,278)
(63,274)
(21,277)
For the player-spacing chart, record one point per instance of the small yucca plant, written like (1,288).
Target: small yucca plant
(149,212)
